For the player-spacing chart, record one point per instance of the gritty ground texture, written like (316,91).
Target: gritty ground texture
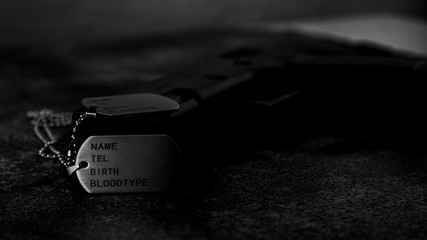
(318,187)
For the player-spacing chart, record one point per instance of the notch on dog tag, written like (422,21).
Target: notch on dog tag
(131,104)
(127,163)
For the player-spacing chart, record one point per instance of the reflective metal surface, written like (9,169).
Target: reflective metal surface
(127,163)
(131,104)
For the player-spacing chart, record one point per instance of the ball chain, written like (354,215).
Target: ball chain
(44,120)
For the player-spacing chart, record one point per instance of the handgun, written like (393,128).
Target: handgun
(139,140)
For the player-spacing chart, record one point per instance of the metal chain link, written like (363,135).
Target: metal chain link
(44,120)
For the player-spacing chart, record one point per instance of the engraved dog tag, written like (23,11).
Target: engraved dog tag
(131,104)
(127,163)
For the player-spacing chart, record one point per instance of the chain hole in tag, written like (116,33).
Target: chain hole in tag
(83,164)
(127,163)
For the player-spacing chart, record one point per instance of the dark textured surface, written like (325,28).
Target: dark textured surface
(322,186)
(61,23)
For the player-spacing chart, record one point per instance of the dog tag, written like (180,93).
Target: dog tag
(127,163)
(131,104)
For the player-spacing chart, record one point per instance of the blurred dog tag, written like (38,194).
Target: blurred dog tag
(131,104)
(127,163)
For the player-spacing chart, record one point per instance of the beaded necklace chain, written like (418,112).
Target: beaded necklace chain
(43,121)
